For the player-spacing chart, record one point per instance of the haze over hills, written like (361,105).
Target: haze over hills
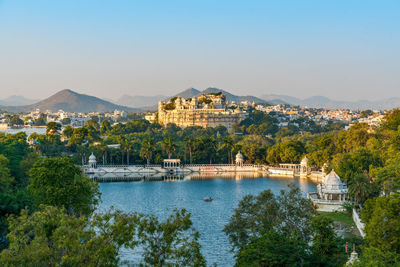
(16,100)
(139,100)
(151,102)
(324,102)
(232,97)
(70,101)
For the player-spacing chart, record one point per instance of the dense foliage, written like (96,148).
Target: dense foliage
(41,171)
(47,219)
(283,230)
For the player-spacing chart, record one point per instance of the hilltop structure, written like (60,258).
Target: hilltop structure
(209,110)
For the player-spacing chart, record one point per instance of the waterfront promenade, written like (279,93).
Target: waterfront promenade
(174,168)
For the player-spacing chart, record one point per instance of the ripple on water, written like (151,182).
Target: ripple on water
(209,218)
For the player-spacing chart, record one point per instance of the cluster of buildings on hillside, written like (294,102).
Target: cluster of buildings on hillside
(207,110)
(74,119)
(212,110)
(322,116)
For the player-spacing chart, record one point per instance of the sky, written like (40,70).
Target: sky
(342,49)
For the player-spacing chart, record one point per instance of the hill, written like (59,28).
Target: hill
(139,101)
(191,92)
(17,100)
(70,101)
(231,97)
(324,102)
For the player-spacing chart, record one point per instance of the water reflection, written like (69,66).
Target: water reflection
(209,218)
(142,177)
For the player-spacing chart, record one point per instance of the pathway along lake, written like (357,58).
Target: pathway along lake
(209,218)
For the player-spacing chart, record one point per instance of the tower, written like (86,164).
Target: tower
(304,167)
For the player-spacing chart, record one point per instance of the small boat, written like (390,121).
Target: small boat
(207,199)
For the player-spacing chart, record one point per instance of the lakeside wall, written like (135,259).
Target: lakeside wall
(140,172)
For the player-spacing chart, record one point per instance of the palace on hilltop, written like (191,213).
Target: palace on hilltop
(209,110)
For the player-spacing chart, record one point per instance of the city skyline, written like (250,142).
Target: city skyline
(341,50)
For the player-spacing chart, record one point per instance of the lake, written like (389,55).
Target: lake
(27,130)
(209,218)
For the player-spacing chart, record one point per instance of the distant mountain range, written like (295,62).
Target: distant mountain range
(324,102)
(17,100)
(150,102)
(139,101)
(70,101)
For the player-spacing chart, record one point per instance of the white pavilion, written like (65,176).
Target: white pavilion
(331,193)
(239,159)
(92,161)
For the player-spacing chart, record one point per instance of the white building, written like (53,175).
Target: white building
(331,193)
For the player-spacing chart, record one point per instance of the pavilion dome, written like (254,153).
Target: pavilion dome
(92,158)
(239,157)
(332,183)
(304,161)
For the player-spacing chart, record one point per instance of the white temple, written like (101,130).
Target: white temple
(304,170)
(239,159)
(353,257)
(92,161)
(331,193)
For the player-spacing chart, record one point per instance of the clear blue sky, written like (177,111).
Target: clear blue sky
(347,49)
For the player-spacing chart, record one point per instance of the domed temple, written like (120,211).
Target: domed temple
(239,159)
(331,193)
(92,161)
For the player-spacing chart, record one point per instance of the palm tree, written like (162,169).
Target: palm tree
(53,128)
(227,143)
(189,146)
(168,146)
(360,187)
(147,149)
(103,149)
(126,146)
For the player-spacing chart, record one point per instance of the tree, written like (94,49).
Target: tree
(92,123)
(274,248)
(392,120)
(5,175)
(58,182)
(324,248)
(66,121)
(288,212)
(388,176)
(373,257)
(58,239)
(78,137)
(105,126)
(366,113)
(382,223)
(15,120)
(41,121)
(168,146)
(360,187)
(68,132)
(147,149)
(189,146)
(170,243)
(53,127)
(53,237)
(227,143)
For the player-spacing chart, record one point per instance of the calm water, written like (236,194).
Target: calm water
(209,218)
(28,131)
